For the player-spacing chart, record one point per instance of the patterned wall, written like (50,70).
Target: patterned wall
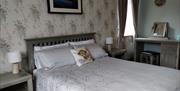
(21,19)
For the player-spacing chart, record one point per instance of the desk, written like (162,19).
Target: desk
(169,51)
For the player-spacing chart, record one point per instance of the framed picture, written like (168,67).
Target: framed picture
(65,6)
(160,29)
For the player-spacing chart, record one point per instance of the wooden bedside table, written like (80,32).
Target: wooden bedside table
(9,79)
(117,53)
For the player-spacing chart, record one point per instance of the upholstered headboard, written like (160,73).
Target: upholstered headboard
(30,43)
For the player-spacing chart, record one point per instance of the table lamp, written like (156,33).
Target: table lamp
(178,37)
(14,58)
(109,42)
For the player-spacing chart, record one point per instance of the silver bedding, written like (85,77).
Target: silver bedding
(108,74)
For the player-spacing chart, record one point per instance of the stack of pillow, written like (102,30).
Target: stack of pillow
(81,52)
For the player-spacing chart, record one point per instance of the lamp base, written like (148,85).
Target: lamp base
(15,68)
(109,48)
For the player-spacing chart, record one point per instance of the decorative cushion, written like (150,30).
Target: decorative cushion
(95,50)
(82,56)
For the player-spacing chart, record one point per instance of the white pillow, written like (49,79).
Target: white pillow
(40,48)
(82,56)
(91,41)
(95,50)
(53,57)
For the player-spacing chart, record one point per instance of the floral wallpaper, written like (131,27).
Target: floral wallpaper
(21,19)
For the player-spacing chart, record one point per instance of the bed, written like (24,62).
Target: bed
(104,74)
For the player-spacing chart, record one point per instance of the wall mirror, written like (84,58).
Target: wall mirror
(159,29)
(159,2)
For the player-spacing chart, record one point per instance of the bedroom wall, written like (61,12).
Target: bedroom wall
(21,19)
(149,13)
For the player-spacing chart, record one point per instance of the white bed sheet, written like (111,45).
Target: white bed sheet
(108,74)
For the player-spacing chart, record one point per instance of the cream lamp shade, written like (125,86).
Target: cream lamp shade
(109,40)
(14,57)
(178,37)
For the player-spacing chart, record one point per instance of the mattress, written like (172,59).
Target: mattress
(108,74)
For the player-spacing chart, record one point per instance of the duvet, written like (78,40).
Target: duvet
(108,74)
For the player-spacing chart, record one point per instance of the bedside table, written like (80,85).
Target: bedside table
(9,79)
(117,53)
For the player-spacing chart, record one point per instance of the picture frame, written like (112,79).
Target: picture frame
(65,6)
(160,29)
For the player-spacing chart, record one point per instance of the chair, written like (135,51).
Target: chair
(150,57)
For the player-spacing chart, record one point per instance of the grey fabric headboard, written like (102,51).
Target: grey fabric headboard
(30,43)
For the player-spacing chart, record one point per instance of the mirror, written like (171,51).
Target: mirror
(159,2)
(159,29)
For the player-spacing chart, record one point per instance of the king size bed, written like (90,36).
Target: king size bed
(103,74)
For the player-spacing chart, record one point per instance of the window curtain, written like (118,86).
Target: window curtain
(127,42)
(135,11)
(122,8)
(122,19)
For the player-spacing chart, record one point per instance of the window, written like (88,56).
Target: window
(129,27)
(117,18)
